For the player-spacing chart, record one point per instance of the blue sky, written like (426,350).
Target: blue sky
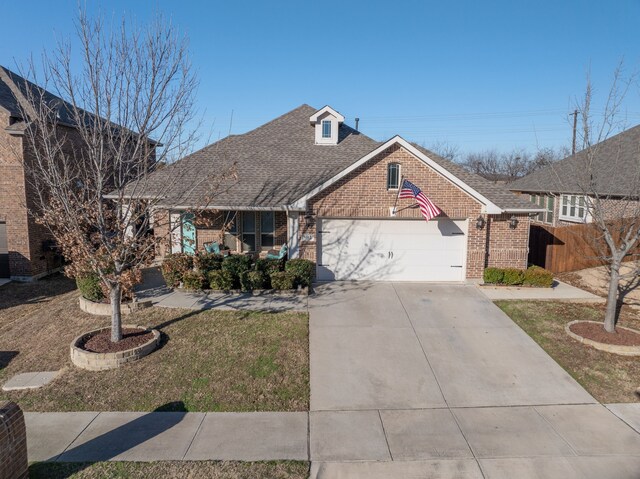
(475,74)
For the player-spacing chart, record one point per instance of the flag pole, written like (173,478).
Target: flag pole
(393,211)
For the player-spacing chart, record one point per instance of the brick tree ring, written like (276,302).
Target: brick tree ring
(93,361)
(622,350)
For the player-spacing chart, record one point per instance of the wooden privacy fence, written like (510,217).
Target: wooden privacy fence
(567,248)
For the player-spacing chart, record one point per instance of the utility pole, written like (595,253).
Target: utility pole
(575,126)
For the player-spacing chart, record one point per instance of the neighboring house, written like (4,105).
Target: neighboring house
(308,180)
(612,167)
(26,249)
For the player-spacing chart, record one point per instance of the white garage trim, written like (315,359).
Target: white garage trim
(391,249)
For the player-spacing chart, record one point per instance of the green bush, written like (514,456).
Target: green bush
(493,275)
(193,280)
(206,262)
(302,269)
(537,276)
(283,280)
(512,276)
(90,287)
(269,265)
(220,279)
(250,280)
(174,266)
(236,264)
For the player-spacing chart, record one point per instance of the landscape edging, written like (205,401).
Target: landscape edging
(609,348)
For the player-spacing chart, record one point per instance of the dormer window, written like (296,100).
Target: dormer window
(326,122)
(326,128)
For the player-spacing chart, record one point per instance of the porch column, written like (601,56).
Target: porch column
(293,230)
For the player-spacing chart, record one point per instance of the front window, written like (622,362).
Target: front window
(248,231)
(231,230)
(393,176)
(326,128)
(267,229)
(574,208)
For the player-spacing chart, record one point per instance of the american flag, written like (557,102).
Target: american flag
(427,208)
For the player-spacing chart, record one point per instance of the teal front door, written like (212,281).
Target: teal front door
(188,234)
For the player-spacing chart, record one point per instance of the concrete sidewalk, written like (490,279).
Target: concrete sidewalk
(559,292)
(164,436)
(155,289)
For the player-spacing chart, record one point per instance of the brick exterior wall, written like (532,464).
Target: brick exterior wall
(13,442)
(363,194)
(24,236)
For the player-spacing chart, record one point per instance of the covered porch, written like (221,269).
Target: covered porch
(246,231)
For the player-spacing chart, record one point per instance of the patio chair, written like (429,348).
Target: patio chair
(214,248)
(272,254)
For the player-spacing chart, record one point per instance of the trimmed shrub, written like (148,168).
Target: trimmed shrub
(220,279)
(537,276)
(174,266)
(206,262)
(512,276)
(236,265)
(493,275)
(193,280)
(282,280)
(90,287)
(302,269)
(250,280)
(269,265)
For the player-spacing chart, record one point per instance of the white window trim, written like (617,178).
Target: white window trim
(568,217)
(545,205)
(399,175)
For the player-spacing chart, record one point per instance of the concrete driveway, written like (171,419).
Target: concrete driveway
(413,379)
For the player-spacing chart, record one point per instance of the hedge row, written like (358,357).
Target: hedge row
(532,276)
(208,270)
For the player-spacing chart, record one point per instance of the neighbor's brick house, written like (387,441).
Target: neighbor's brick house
(26,249)
(308,180)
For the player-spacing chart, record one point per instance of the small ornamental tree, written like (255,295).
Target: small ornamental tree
(128,102)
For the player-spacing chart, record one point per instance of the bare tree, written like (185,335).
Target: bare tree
(509,166)
(449,151)
(129,105)
(608,177)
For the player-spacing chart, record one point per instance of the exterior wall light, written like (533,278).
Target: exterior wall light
(513,222)
(480,222)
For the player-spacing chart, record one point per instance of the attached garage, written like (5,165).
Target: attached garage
(391,249)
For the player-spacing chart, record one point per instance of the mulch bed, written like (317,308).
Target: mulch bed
(596,332)
(131,338)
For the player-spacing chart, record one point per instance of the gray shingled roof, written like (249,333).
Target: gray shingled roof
(9,102)
(279,162)
(494,192)
(614,165)
(275,164)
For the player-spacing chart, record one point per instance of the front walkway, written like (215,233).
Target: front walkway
(559,292)
(412,379)
(155,289)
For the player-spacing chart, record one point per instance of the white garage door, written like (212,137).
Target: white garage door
(391,250)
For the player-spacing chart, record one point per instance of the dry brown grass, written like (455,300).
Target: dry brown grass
(209,360)
(608,377)
(171,470)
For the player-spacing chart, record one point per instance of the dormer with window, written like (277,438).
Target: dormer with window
(326,122)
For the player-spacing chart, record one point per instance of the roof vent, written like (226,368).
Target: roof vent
(327,123)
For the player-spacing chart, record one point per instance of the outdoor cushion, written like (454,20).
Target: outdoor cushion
(212,247)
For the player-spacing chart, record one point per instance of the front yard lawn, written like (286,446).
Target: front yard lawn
(170,470)
(608,377)
(208,361)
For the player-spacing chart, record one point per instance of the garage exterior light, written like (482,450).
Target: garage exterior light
(480,222)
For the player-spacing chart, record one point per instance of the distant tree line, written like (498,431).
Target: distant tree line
(500,166)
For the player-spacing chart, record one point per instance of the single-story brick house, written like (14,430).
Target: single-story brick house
(308,180)
(609,169)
